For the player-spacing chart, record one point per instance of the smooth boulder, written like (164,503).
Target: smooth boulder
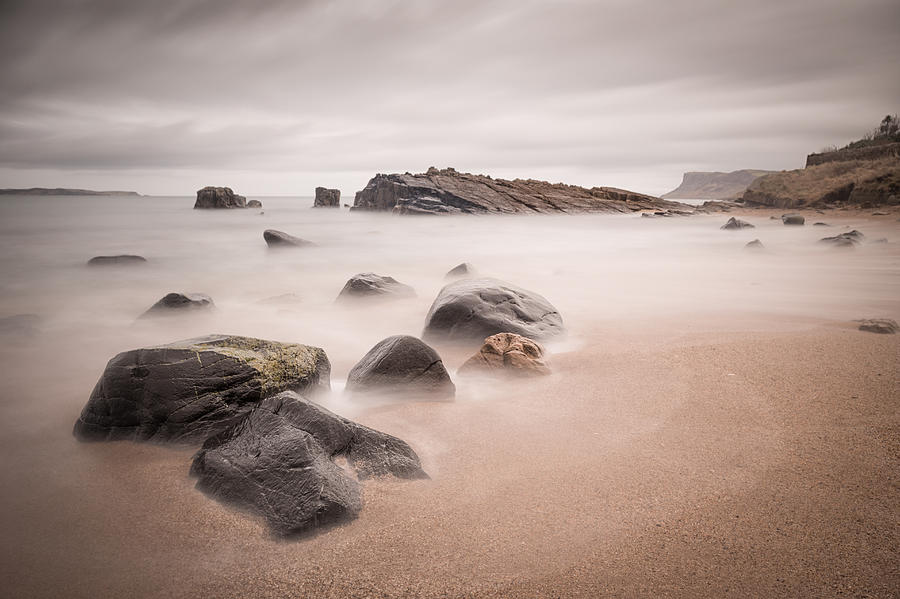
(254,204)
(792,219)
(280,239)
(119,260)
(327,198)
(368,284)
(883,326)
(188,390)
(278,462)
(736,223)
(508,354)
(219,197)
(401,363)
(473,309)
(460,270)
(179,303)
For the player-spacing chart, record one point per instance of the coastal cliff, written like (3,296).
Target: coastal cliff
(446,191)
(699,185)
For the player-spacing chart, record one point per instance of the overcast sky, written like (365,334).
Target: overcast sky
(276,97)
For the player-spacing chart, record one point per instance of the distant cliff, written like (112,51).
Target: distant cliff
(713,185)
(62,191)
(447,191)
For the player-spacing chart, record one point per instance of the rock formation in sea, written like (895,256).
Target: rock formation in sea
(460,270)
(793,219)
(847,240)
(179,303)
(119,260)
(371,285)
(401,364)
(736,223)
(219,197)
(279,239)
(447,191)
(327,198)
(254,204)
(508,354)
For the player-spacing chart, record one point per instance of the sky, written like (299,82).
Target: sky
(276,97)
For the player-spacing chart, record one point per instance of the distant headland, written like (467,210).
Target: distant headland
(63,191)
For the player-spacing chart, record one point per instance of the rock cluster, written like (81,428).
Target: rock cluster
(219,197)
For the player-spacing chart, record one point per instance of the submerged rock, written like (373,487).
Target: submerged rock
(279,239)
(219,197)
(187,390)
(848,239)
(119,260)
(368,284)
(278,462)
(756,245)
(401,363)
(478,308)
(460,270)
(254,204)
(327,198)
(792,219)
(736,223)
(883,326)
(508,354)
(179,303)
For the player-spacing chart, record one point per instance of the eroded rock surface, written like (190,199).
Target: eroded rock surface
(404,364)
(473,309)
(279,463)
(179,303)
(219,197)
(508,354)
(280,239)
(370,285)
(185,391)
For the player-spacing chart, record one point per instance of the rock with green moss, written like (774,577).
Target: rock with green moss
(188,390)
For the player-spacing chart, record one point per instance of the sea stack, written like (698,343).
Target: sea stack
(327,198)
(219,197)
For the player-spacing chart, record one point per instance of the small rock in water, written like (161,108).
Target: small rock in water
(462,270)
(219,197)
(821,225)
(848,239)
(756,244)
(736,223)
(401,363)
(792,219)
(178,303)
(254,204)
(368,284)
(120,260)
(884,326)
(279,239)
(508,354)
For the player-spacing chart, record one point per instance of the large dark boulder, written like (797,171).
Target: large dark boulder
(119,260)
(473,309)
(179,303)
(185,391)
(278,462)
(402,364)
(369,285)
(279,239)
(327,198)
(736,223)
(219,197)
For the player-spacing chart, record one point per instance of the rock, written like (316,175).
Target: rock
(254,204)
(279,462)
(508,354)
(821,225)
(179,303)
(756,245)
(402,364)
(23,325)
(884,326)
(327,198)
(185,391)
(792,219)
(119,260)
(219,197)
(447,191)
(279,239)
(461,270)
(848,239)
(368,284)
(879,214)
(473,309)
(735,223)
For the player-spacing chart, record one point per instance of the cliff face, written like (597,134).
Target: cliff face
(700,185)
(446,191)
(873,152)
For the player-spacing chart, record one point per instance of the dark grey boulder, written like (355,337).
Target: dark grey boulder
(460,270)
(120,260)
(219,197)
(792,219)
(369,285)
(254,204)
(883,326)
(474,309)
(756,245)
(736,223)
(278,462)
(845,240)
(185,391)
(327,198)
(402,364)
(179,303)
(279,239)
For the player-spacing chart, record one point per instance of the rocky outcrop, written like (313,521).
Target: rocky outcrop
(279,239)
(327,198)
(793,219)
(736,223)
(254,204)
(871,152)
(507,354)
(186,391)
(119,260)
(370,285)
(401,364)
(882,326)
(179,303)
(279,462)
(449,192)
(714,185)
(219,197)
(473,309)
